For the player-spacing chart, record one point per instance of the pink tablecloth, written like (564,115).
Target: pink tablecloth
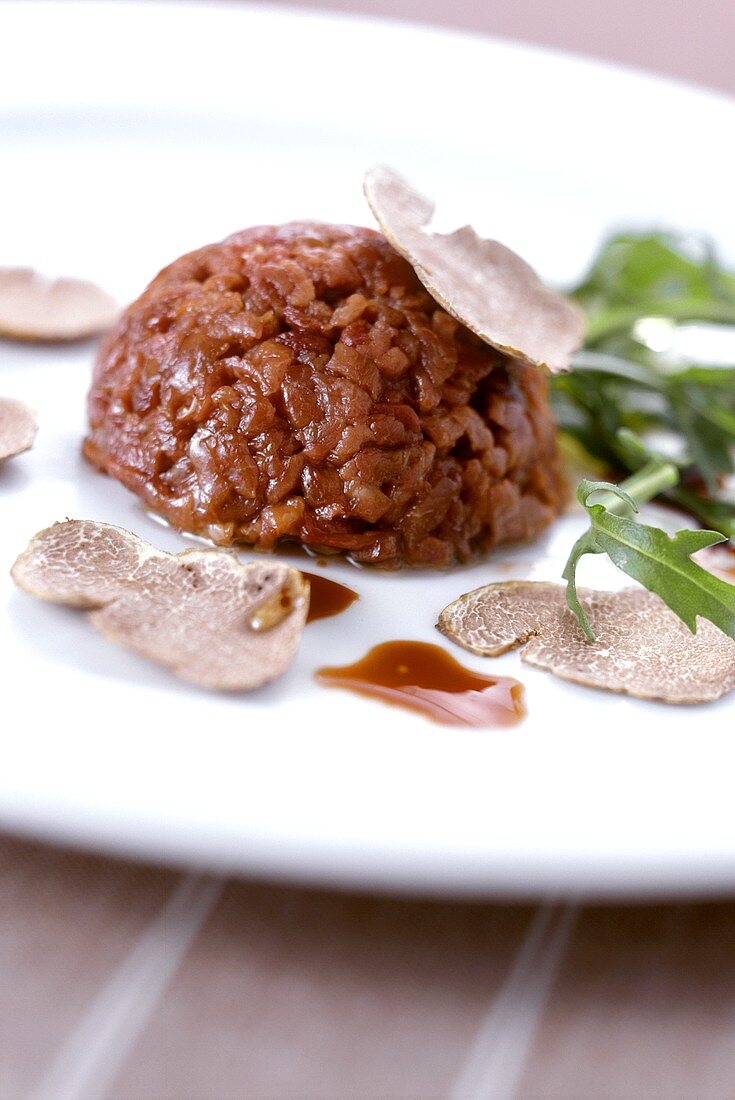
(130,982)
(691,41)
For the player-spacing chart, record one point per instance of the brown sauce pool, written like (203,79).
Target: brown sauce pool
(425,678)
(327,597)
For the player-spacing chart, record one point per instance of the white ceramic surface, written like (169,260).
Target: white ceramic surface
(132,132)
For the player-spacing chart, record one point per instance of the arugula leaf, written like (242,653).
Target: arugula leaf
(620,383)
(610,321)
(654,275)
(708,433)
(605,367)
(652,267)
(717,513)
(661,563)
(622,387)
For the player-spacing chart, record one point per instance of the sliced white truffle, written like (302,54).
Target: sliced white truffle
(480,282)
(642,648)
(35,308)
(18,427)
(82,563)
(196,612)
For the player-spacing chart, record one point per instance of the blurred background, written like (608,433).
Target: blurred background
(664,36)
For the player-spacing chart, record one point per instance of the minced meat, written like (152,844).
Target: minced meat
(298,383)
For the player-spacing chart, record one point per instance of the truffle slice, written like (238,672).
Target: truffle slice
(43,310)
(82,563)
(642,648)
(17,428)
(213,620)
(483,284)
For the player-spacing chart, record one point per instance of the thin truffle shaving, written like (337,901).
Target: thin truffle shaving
(191,612)
(17,428)
(481,283)
(641,648)
(43,310)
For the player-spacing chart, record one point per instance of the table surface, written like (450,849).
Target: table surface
(128,981)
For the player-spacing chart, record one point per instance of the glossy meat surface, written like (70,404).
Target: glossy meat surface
(297,382)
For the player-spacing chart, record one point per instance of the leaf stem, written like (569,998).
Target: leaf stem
(655,477)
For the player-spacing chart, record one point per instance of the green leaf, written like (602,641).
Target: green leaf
(663,565)
(721,378)
(660,562)
(709,432)
(653,269)
(654,275)
(635,454)
(713,511)
(604,366)
(606,320)
(619,382)
(585,544)
(586,488)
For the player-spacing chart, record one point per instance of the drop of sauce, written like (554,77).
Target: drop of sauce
(425,678)
(327,597)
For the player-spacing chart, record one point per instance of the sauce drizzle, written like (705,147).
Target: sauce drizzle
(425,678)
(327,597)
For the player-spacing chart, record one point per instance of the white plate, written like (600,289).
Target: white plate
(130,133)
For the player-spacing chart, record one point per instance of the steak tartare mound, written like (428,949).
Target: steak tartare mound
(299,383)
